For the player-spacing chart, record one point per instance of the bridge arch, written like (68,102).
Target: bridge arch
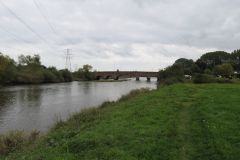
(108,77)
(126,74)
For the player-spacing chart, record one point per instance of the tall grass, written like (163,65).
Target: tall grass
(14,140)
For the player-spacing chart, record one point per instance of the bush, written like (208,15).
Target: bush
(224,80)
(29,77)
(171,75)
(29,70)
(85,73)
(67,75)
(204,78)
(172,80)
(7,69)
(224,70)
(49,77)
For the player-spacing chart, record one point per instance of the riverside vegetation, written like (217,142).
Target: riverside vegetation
(212,67)
(29,70)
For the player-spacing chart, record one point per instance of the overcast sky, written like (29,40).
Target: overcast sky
(118,34)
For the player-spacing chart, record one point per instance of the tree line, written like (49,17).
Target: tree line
(218,66)
(29,70)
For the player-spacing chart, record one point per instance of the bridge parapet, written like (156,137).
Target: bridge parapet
(125,74)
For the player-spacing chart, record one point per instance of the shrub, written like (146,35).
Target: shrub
(67,75)
(204,78)
(224,80)
(171,75)
(49,77)
(172,80)
(225,70)
(207,71)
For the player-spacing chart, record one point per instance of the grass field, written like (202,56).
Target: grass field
(178,122)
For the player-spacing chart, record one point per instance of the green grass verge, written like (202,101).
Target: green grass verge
(178,122)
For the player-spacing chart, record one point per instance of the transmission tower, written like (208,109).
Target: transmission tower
(68,64)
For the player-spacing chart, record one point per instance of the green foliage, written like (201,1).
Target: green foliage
(204,78)
(50,77)
(215,58)
(67,75)
(85,73)
(172,71)
(29,60)
(236,59)
(172,74)
(7,69)
(205,70)
(188,66)
(212,59)
(29,71)
(224,70)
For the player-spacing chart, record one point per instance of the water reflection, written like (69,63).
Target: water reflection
(5,99)
(37,106)
(30,96)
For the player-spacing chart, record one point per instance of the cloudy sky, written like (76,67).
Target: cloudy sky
(118,34)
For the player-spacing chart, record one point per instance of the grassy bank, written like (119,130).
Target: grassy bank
(183,121)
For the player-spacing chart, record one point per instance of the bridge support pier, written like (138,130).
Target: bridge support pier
(158,79)
(137,78)
(148,79)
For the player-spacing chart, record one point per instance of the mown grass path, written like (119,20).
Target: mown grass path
(179,122)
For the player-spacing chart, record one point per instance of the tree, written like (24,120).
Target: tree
(212,59)
(171,74)
(87,68)
(236,60)
(188,65)
(29,60)
(67,75)
(7,69)
(202,65)
(224,70)
(85,73)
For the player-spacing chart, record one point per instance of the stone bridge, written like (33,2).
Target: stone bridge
(125,74)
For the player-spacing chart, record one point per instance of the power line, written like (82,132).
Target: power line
(44,16)
(16,38)
(22,21)
(13,35)
(33,31)
(25,24)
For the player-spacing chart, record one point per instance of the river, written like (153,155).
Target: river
(31,107)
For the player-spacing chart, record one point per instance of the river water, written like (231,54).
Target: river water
(38,107)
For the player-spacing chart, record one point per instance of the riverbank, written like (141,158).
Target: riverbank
(182,121)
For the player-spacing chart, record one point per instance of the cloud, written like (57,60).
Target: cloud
(126,34)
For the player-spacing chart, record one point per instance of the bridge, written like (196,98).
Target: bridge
(125,74)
